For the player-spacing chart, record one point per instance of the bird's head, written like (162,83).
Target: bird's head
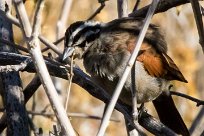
(78,37)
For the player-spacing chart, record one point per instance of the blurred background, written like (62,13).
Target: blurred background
(181,34)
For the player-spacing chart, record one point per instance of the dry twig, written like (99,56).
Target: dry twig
(15,21)
(122,8)
(198,102)
(35,52)
(197,122)
(123,12)
(55,43)
(83,80)
(163,6)
(70,77)
(20,67)
(199,21)
(102,2)
(14,45)
(136,5)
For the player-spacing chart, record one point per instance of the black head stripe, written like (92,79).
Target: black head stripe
(87,31)
(71,29)
(82,32)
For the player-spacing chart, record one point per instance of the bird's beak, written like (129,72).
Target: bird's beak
(68,51)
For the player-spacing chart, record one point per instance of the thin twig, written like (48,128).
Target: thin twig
(46,49)
(50,45)
(56,131)
(199,22)
(197,121)
(198,102)
(55,43)
(123,12)
(122,8)
(102,2)
(64,15)
(163,6)
(32,126)
(20,67)
(59,40)
(15,45)
(130,63)
(136,5)
(83,80)
(72,115)
(35,52)
(70,77)
(10,18)
(28,30)
(60,30)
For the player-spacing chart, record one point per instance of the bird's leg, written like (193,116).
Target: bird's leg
(134,109)
(141,109)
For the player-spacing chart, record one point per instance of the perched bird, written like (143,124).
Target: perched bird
(106,47)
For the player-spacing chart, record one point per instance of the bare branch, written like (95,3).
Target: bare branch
(199,21)
(196,122)
(123,12)
(122,8)
(35,52)
(17,121)
(28,91)
(50,45)
(163,131)
(102,2)
(10,18)
(163,6)
(64,14)
(56,43)
(198,102)
(72,115)
(83,80)
(14,45)
(70,76)
(20,67)
(42,39)
(136,5)
(59,40)
(37,20)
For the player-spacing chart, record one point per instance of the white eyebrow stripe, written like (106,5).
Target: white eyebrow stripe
(86,24)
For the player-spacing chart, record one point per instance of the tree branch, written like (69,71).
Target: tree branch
(14,45)
(83,80)
(102,2)
(35,52)
(198,102)
(13,98)
(163,6)
(199,21)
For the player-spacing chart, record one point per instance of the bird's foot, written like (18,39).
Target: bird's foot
(141,110)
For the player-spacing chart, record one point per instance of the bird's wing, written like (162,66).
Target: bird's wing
(159,64)
(173,72)
(133,26)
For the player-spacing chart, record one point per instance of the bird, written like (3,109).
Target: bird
(105,49)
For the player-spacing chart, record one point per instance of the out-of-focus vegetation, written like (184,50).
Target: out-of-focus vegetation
(182,38)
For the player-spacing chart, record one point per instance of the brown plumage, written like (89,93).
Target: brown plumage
(106,50)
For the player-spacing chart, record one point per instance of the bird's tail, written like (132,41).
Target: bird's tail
(169,114)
